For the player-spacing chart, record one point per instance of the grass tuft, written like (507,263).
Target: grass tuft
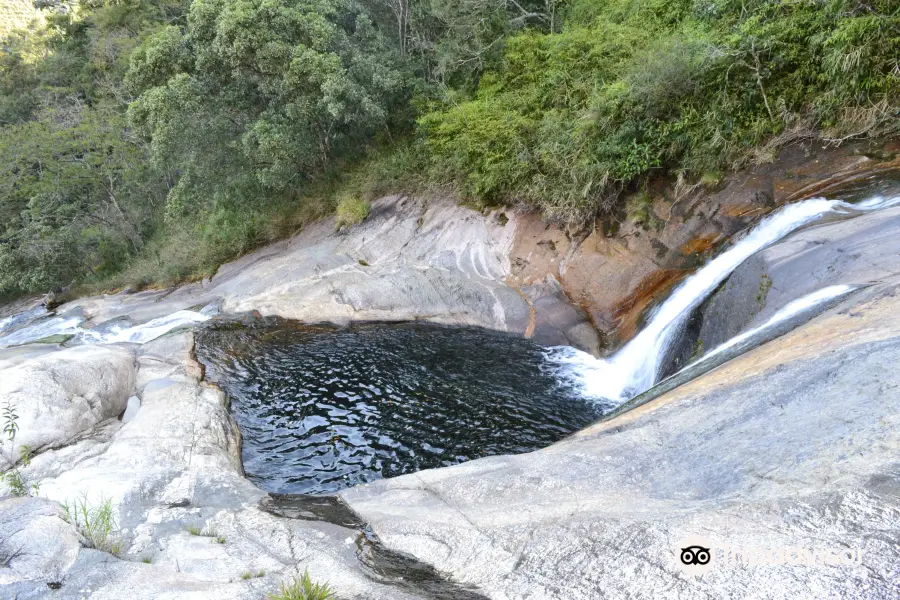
(97,525)
(303,588)
(250,574)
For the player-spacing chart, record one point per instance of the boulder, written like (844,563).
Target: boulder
(61,395)
(857,252)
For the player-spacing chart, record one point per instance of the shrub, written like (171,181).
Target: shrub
(351,210)
(567,121)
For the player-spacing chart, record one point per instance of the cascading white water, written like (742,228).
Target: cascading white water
(42,329)
(789,311)
(636,366)
(141,334)
(138,334)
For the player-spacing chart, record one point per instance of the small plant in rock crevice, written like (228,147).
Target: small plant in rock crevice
(206,532)
(765,284)
(303,588)
(13,477)
(250,575)
(96,524)
(698,350)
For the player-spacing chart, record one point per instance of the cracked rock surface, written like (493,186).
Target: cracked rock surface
(173,478)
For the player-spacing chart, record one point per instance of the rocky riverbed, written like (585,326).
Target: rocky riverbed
(792,445)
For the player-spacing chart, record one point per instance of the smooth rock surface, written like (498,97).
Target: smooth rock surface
(794,444)
(173,467)
(410,260)
(61,395)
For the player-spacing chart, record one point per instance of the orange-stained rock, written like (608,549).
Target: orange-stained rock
(615,278)
(700,244)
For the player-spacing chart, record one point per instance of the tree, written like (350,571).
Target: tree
(275,92)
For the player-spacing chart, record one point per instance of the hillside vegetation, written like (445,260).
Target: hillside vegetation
(147,142)
(15,14)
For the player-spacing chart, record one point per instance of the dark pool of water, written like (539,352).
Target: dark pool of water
(324,408)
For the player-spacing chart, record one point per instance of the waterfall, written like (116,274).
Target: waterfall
(636,366)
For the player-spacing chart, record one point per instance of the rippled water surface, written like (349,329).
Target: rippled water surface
(322,408)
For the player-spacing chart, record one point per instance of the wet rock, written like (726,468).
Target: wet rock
(131,409)
(616,277)
(858,251)
(776,450)
(556,321)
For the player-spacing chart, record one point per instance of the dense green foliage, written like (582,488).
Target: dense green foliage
(147,141)
(77,194)
(630,87)
(275,92)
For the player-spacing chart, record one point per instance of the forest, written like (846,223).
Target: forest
(146,142)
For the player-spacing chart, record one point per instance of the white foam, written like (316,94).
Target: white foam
(42,329)
(138,334)
(146,332)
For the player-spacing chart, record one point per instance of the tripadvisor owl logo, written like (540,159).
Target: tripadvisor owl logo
(694,555)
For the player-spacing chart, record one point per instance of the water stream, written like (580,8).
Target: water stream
(322,408)
(637,366)
(39,325)
(792,309)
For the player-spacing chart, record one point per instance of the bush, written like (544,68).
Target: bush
(351,211)
(566,122)
(561,106)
